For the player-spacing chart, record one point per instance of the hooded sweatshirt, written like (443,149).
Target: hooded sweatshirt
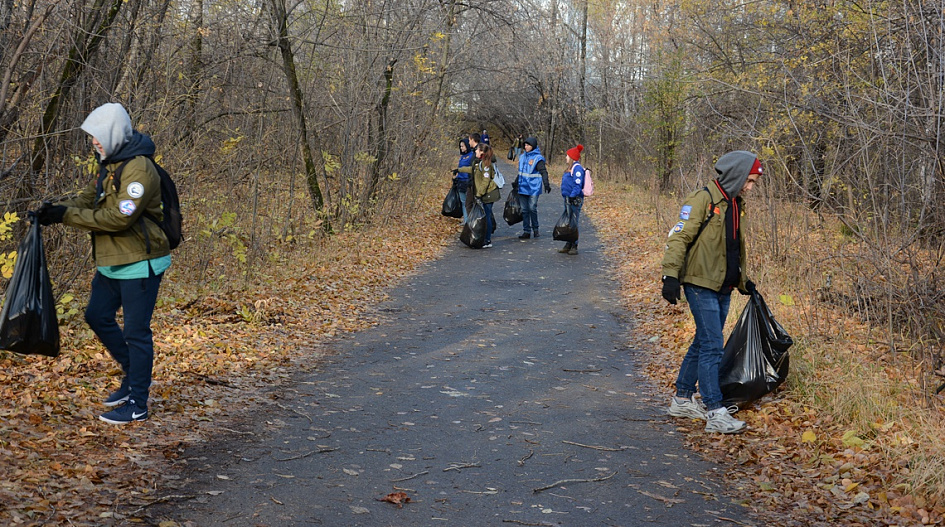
(113,212)
(712,256)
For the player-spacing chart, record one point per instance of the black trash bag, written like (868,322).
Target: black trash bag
(756,359)
(512,213)
(566,230)
(474,232)
(28,322)
(511,155)
(452,205)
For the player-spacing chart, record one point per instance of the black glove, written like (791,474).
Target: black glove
(547,189)
(749,288)
(575,201)
(455,171)
(671,289)
(49,213)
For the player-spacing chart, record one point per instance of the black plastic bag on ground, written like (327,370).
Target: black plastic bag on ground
(452,205)
(566,229)
(28,322)
(474,232)
(512,213)
(756,359)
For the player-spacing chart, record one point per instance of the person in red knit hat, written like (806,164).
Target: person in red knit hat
(572,190)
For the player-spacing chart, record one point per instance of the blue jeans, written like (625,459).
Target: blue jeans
(577,210)
(488,207)
(529,206)
(709,309)
(462,199)
(132,346)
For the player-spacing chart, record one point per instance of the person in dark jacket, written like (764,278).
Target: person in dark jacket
(461,179)
(485,137)
(572,190)
(706,253)
(519,145)
(130,250)
(483,185)
(532,176)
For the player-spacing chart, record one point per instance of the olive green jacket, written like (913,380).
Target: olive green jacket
(704,263)
(115,218)
(483,184)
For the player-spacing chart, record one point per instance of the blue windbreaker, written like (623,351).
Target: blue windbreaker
(465,160)
(529,176)
(572,182)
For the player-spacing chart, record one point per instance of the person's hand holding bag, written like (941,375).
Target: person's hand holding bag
(671,289)
(48,213)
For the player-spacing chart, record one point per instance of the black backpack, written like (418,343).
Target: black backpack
(170,206)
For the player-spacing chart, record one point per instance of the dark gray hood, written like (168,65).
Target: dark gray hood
(733,169)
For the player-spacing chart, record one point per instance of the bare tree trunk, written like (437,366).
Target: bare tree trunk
(582,111)
(382,140)
(280,24)
(196,65)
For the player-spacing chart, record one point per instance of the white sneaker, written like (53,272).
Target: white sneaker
(680,407)
(721,421)
(488,245)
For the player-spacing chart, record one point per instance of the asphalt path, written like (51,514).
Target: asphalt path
(498,391)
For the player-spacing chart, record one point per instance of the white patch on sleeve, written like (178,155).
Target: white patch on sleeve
(135,190)
(127,207)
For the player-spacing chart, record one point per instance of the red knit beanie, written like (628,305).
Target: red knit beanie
(756,168)
(575,153)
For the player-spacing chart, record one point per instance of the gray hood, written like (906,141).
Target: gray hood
(733,169)
(110,125)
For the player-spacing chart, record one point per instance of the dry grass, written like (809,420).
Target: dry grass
(878,450)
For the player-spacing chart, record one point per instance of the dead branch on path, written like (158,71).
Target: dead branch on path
(460,466)
(563,481)
(418,474)
(309,453)
(608,449)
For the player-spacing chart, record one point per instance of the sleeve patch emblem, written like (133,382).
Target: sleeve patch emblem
(135,190)
(677,228)
(684,213)
(127,207)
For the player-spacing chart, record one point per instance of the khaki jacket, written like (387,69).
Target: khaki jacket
(703,264)
(115,218)
(485,187)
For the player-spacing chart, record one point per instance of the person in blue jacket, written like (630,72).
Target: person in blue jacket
(485,137)
(532,176)
(572,190)
(461,179)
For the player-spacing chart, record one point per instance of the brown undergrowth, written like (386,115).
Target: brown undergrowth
(217,345)
(850,439)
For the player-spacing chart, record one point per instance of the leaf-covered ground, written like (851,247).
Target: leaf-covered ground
(800,462)
(62,466)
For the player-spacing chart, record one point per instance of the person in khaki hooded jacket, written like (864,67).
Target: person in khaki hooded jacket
(706,253)
(130,250)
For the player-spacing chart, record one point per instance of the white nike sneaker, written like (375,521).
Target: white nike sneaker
(721,421)
(681,407)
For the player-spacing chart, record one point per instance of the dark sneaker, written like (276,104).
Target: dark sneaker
(117,397)
(125,414)
(487,245)
(573,250)
(535,234)
(524,236)
(565,249)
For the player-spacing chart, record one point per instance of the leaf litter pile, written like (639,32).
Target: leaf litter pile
(214,352)
(799,463)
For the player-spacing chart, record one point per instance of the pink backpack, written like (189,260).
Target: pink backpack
(588,189)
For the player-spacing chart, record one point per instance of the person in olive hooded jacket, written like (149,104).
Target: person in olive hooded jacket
(706,253)
(130,250)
